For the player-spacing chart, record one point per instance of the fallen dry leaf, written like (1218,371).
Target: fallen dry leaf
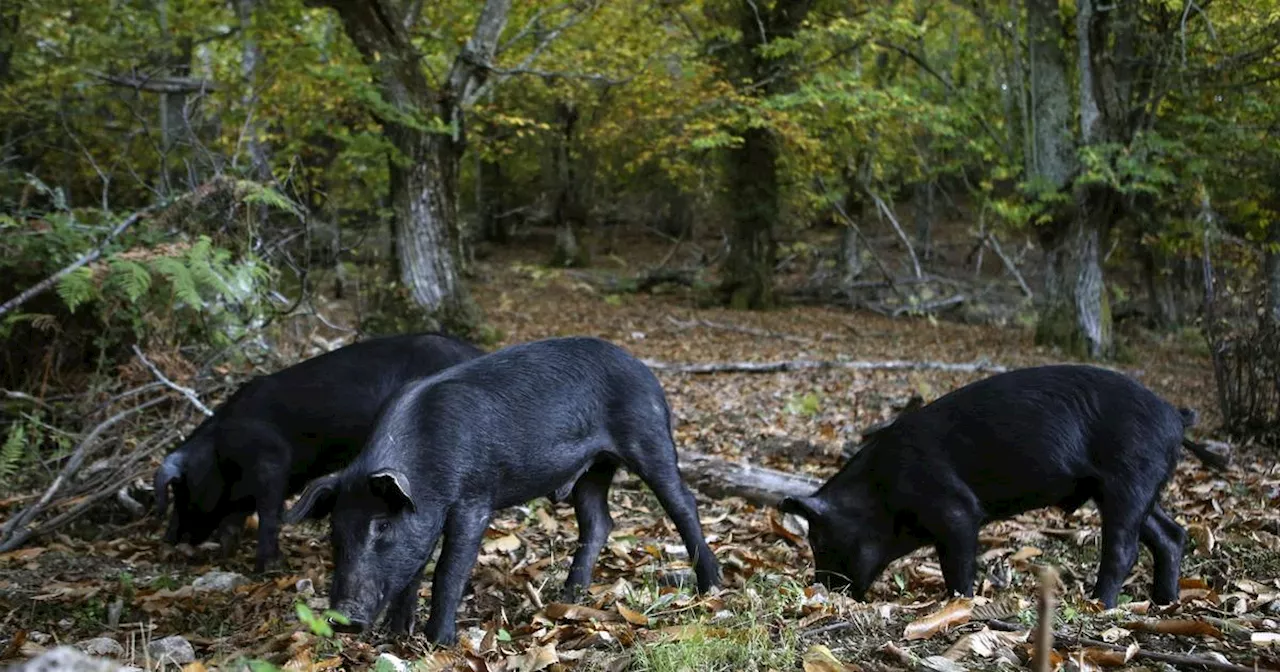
(1101,657)
(1203,536)
(956,612)
(196,666)
(537,658)
(1265,639)
(1025,553)
(820,659)
(1176,627)
(984,643)
(788,526)
(632,616)
(504,544)
(22,554)
(559,611)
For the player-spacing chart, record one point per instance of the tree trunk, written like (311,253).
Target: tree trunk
(250,61)
(424,178)
(490,185)
(1075,314)
(428,236)
(924,211)
(569,212)
(753,179)
(1160,296)
(1271,266)
(748,280)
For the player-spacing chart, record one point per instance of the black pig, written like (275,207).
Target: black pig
(279,431)
(547,418)
(1036,437)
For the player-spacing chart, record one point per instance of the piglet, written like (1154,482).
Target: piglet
(1022,440)
(548,418)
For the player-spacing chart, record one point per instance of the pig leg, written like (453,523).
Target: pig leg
(662,476)
(270,504)
(591,506)
(954,527)
(229,532)
(404,606)
(1164,538)
(463,531)
(1122,520)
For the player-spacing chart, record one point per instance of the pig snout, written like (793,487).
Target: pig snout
(353,625)
(359,617)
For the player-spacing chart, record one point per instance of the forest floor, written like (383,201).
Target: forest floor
(122,583)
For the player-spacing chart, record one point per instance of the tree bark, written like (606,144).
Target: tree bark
(753,179)
(1271,266)
(1160,297)
(1075,314)
(569,212)
(748,281)
(250,61)
(424,178)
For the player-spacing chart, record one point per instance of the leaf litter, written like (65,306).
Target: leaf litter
(128,586)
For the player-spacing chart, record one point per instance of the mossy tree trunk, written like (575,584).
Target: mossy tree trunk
(424,177)
(753,170)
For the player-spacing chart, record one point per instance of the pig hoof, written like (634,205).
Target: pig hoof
(572,594)
(272,564)
(443,636)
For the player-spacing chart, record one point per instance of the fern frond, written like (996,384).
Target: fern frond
(180,278)
(130,278)
(76,288)
(12,451)
(254,193)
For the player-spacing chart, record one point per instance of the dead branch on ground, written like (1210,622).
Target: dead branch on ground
(812,364)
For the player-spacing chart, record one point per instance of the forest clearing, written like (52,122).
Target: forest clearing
(659,335)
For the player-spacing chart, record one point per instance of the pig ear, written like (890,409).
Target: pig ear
(809,508)
(316,501)
(170,470)
(393,487)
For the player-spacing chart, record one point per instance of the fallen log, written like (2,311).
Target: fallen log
(717,477)
(812,364)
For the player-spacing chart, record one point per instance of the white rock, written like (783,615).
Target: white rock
(67,659)
(172,650)
(218,582)
(305,587)
(397,664)
(101,646)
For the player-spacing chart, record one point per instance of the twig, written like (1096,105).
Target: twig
(739,329)
(994,244)
(1044,630)
(12,534)
(812,364)
(930,306)
(87,257)
(23,396)
(187,392)
(848,221)
(880,204)
(1178,659)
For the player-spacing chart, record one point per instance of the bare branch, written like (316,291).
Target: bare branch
(471,67)
(14,532)
(187,392)
(86,258)
(489,83)
(158,84)
(880,204)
